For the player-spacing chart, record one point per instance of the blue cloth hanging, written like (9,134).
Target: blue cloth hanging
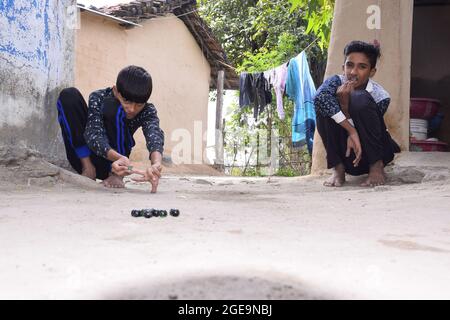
(301,89)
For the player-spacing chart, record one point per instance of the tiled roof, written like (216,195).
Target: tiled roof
(146,9)
(186,10)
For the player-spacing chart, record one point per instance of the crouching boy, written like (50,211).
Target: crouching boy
(349,111)
(99,138)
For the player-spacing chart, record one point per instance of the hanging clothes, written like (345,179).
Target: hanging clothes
(277,78)
(268,75)
(300,88)
(246,91)
(254,90)
(263,96)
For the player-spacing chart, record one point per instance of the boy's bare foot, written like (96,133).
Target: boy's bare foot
(114,181)
(338,177)
(376,175)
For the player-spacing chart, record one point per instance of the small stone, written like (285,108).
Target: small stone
(382,188)
(155,213)
(163,213)
(203,181)
(147,213)
(136,213)
(174,212)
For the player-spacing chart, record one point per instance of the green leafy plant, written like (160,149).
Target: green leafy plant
(319,14)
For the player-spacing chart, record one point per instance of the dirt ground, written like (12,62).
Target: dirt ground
(65,237)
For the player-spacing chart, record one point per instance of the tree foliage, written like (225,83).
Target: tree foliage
(260,34)
(319,14)
(248,26)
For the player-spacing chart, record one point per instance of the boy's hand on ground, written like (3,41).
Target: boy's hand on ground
(354,144)
(89,172)
(152,175)
(120,167)
(88,169)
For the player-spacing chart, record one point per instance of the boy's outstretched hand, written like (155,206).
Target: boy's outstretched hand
(120,167)
(152,175)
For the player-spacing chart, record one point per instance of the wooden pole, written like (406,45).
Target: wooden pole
(269,139)
(219,124)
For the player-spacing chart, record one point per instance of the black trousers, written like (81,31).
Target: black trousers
(72,117)
(376,141)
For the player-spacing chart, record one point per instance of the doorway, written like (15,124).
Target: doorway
(430,64)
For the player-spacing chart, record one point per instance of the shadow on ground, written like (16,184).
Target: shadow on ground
(224,287)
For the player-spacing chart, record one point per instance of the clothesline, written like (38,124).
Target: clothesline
(307,47)
(310,44)
(227,65)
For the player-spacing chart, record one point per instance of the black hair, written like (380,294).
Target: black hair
(372,51)
(134,84)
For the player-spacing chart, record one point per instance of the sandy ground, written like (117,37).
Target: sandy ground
(236,238)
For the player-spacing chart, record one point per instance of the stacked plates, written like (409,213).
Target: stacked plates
(419,128)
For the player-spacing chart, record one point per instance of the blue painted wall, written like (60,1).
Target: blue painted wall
(36,62)
(24,17)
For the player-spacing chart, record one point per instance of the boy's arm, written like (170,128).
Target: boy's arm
(95,133)
(326,102)
(383,105)
(153,134)
(154,138)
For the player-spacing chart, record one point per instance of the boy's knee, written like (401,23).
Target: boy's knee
(360,100)
(360,97)
(69,93)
